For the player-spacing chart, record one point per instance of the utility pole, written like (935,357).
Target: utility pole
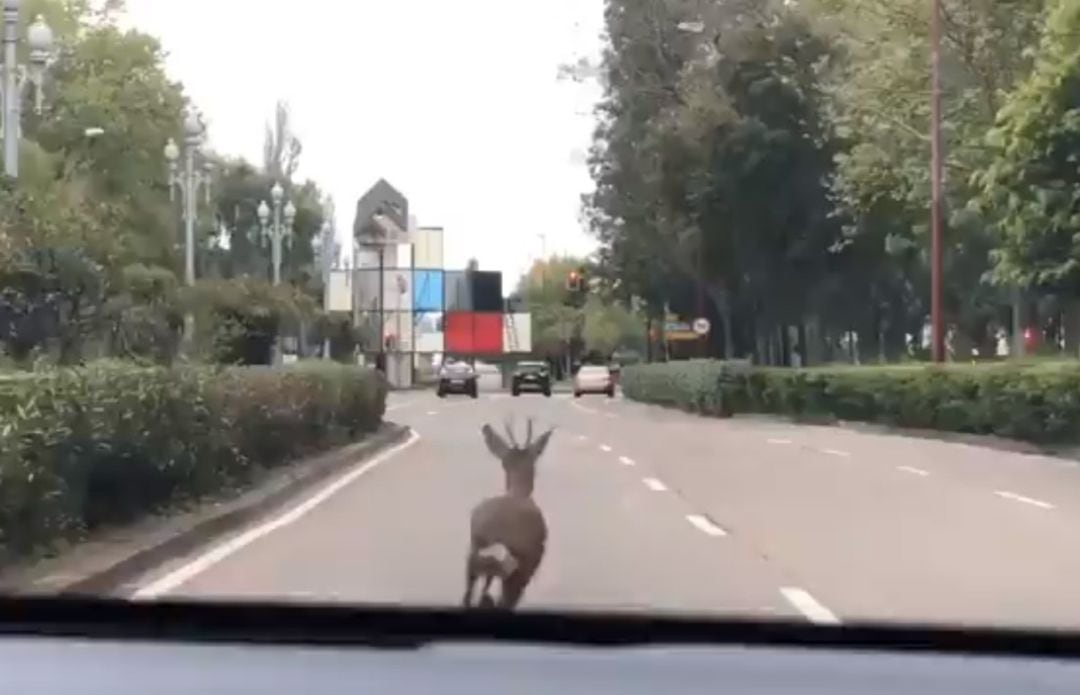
(937,319)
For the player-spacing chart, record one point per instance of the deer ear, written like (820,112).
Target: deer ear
(537,447)
(495,444)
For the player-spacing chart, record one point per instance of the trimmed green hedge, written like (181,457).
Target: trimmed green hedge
(105,444)
(1038,402)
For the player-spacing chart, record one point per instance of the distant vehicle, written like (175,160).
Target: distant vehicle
(458,377)
(534,376)
(594,378)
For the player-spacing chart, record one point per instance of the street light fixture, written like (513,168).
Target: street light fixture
(39,38)
(188,182)
(273,228)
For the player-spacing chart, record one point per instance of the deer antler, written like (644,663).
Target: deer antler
(510,432)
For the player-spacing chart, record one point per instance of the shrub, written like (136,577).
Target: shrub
(104,444)
(1038,402)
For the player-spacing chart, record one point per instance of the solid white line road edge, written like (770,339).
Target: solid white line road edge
(704,525)
(1026,500)
(806,604)
(183,574)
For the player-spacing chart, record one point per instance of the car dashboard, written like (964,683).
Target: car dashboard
(167,653)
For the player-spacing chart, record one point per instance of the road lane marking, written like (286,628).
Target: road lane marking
(398,406)
(705,525)
(433,412)
(836,452)
(809,606)
(626,461)
(611,415)
(654,484)
(582,438)
(605,448)
(1021,498)
(913,470)
(584,409)
(778,441)
(183,574)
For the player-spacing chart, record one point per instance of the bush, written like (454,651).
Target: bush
(105,444)
(1038,402)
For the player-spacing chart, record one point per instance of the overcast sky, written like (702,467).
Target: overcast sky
(455,103)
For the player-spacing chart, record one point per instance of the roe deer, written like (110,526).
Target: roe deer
(508,532)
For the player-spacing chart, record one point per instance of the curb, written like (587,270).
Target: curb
(157,547)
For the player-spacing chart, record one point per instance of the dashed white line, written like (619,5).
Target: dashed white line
(913,470)
(433,412)
(705,525)
(778,441)
(582,438)
(605,448)
(1021,498)
(836,452)
(654,484)
(626,461)
(215,555)
(809,606)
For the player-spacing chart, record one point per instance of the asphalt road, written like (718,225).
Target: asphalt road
(656,510)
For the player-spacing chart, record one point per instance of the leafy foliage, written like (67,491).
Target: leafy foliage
(102,445)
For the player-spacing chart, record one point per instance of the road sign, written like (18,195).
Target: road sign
(702,326)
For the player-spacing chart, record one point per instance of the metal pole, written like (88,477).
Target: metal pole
(702,340)
(189,192)
(937,319)
(382,318)
(275,243)
(12,96)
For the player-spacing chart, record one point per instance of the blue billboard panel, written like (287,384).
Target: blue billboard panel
(428,290)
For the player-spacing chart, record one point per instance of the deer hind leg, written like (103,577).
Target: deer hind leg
(471,575)
(513,585)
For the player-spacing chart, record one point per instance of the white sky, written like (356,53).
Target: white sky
(454,102)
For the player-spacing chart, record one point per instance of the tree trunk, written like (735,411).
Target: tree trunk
(1018,347)
(722,300)
(1072,327)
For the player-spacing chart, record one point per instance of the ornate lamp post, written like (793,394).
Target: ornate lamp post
(188,181)
(40,39)
(274,230)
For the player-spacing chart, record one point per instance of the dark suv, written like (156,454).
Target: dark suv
(457,377)
(531,376)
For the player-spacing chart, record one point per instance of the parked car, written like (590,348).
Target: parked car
(593,378)
(458,377)
(534,376)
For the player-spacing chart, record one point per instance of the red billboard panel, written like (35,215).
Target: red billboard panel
(469,333)
(488,333)
(458,332)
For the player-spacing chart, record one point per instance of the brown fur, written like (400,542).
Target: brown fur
(512,522)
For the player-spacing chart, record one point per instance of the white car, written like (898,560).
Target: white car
(592,378)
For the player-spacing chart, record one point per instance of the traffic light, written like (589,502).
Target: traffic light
(573,281)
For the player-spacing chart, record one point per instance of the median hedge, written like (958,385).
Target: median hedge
(1038,402)
(105,444)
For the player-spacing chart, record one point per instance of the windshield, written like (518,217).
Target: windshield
(838,282)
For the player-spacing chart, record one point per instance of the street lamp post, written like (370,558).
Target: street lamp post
(273,229)
(937,319)
(188,182)
(277,233)
(40,39)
